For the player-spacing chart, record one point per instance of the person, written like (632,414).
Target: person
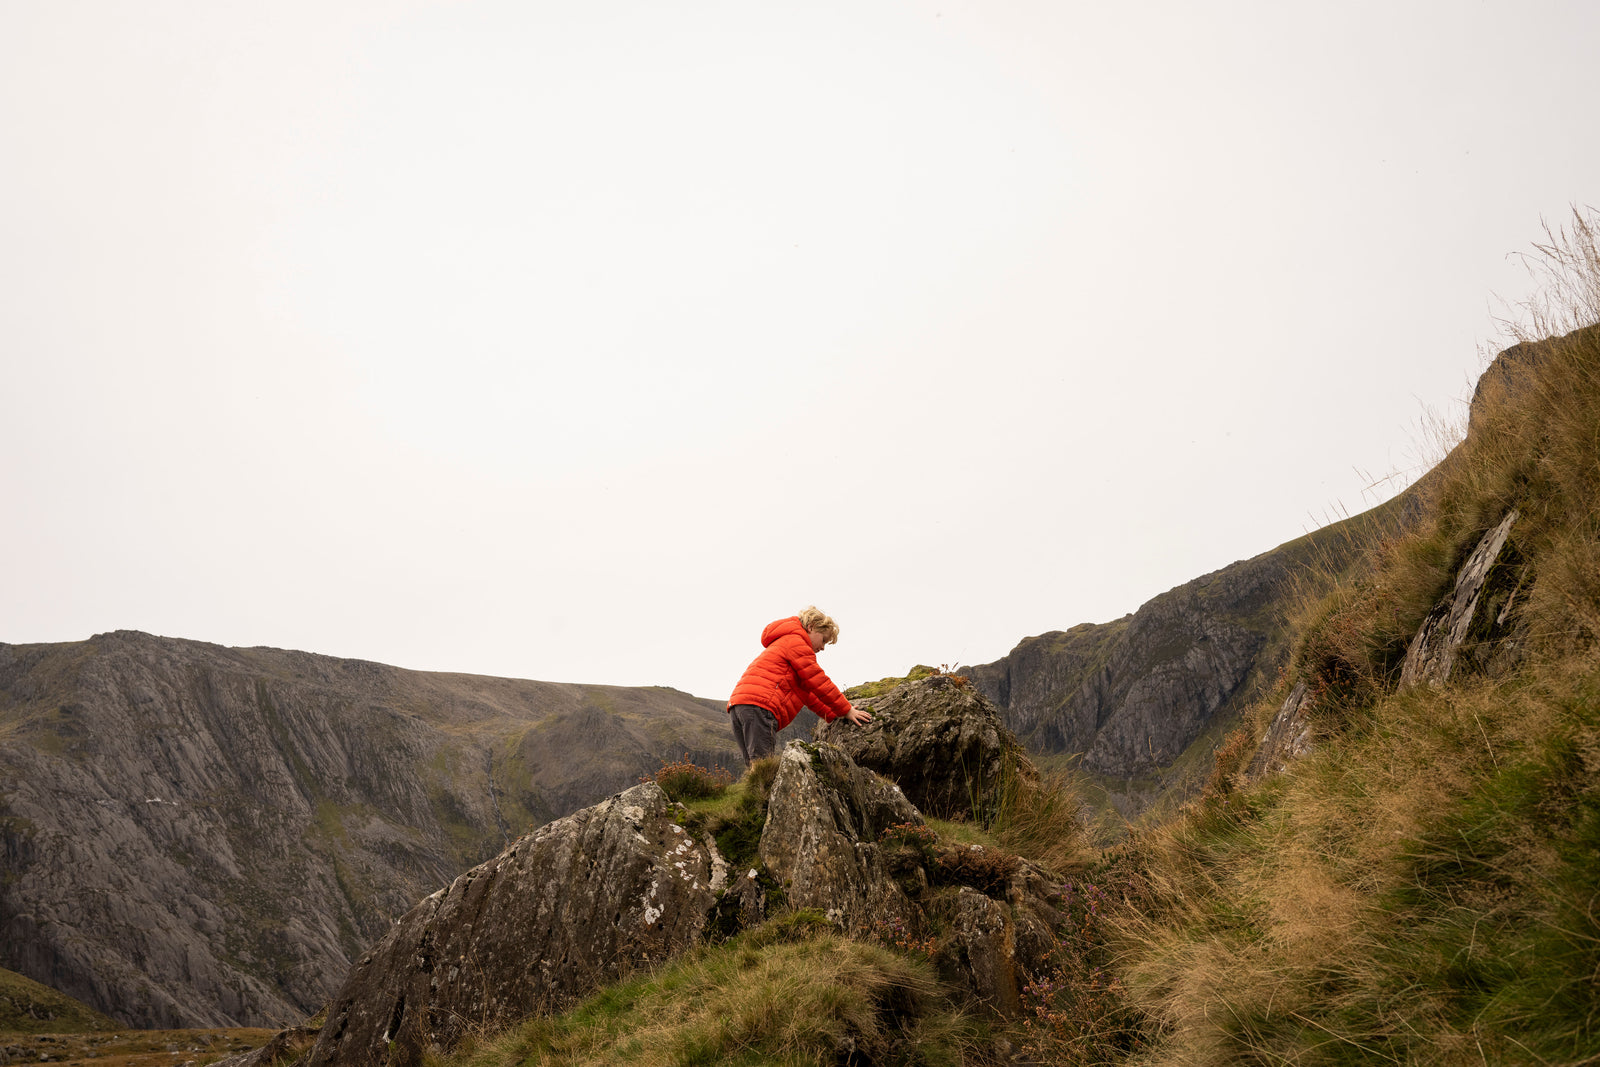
(785,677)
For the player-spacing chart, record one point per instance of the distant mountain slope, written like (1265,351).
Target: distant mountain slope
(195,835)
(1132,696)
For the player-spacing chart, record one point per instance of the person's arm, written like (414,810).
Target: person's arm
(822,696)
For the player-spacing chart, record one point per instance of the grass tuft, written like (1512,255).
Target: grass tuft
(800,999)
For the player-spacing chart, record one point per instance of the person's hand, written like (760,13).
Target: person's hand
(858,716)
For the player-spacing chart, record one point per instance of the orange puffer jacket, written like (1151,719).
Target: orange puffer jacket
(786,676)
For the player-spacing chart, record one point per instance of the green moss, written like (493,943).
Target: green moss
(873,689)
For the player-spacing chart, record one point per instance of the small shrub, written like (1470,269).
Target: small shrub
(1076,1012)
(685,780)
(1232,758)
(987,870)
(893,933)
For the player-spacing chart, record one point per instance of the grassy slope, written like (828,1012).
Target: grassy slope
(1422,888)
(26,1007)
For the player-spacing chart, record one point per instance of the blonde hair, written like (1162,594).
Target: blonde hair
(818,623)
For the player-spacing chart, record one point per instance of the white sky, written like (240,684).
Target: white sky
(577,341)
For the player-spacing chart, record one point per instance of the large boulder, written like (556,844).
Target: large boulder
(843,840)
(565,910)
(941,742)
(825,816)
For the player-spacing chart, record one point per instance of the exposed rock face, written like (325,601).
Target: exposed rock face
(824,843)
(1475,620)
(939,740)
(564,911)
(200,836)
(1474,623)
(1001,931)
(1131,695)
(1288,737)
(824,818)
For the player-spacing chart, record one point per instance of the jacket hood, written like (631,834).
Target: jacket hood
(782,628)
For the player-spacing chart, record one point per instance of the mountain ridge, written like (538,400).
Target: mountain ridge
(203,836)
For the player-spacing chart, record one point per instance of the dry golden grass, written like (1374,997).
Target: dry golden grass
(1421,888)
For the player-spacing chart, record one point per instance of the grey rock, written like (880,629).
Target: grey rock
(941,742)
(1476,615)
(1288,737)
(984,939)
(1131,695)
(821,844)
(562,912)
(825,816)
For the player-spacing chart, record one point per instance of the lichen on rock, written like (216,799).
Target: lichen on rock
(564,911)
(941,742)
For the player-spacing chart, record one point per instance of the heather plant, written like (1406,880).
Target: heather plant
(683,780)
(1075,1012)
(894,933)
(985,869)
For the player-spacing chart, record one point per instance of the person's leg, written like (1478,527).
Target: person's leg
(756,731)
(738,721)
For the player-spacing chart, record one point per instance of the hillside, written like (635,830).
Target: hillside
(1142,702)
(1397,857)
(204,836)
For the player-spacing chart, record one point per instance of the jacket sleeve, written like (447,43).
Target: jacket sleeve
(822,696)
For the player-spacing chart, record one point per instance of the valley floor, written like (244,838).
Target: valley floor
(131,1048)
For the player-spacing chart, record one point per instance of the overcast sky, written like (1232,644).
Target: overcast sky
(577,341)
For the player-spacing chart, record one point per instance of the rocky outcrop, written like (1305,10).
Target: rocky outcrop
(1288,737)
(194,836)
(1475,622)
(1131,695)
(559,914)
(636,878)
(940,741)
(844,840)
(825,816)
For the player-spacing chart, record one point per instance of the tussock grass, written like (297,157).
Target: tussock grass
(1044,819)
(1423,887)
(812,997)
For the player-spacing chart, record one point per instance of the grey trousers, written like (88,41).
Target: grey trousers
(755,729)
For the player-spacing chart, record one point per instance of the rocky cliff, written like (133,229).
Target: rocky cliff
(194,835)
(1143,695)
(1132,695)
